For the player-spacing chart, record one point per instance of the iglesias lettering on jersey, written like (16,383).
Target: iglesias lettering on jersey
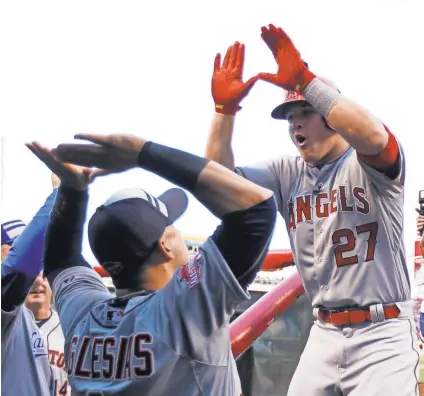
(111,357)
(323,204)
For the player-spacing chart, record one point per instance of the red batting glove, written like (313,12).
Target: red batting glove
(228,90)
(292,74)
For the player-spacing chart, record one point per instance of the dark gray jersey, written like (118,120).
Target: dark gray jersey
(172,342)
(345,227)
(25,368)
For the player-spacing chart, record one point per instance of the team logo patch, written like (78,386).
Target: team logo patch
(37,344)
(190,273)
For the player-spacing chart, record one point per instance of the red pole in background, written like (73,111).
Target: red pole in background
(255,320)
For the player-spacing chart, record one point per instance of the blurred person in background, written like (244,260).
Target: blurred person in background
(420,228)
(420,234)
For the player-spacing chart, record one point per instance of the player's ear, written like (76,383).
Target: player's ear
(164,248)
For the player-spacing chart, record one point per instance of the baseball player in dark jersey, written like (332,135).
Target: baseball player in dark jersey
(342,201)
(166,332)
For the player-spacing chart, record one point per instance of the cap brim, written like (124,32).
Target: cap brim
(280,112)
(176,202)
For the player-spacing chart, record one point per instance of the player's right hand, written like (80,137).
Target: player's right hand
(75,177)
(110,153)
(228,89)
(292,74)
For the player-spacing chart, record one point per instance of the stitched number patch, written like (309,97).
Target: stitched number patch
(350,243)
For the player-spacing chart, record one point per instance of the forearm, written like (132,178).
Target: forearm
(24,261)
(222,191)
(364,132)
(243,239)
(65,231)
(25,255)
(218,147)
(422,245)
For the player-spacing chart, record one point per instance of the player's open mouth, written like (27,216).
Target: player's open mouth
(300,140)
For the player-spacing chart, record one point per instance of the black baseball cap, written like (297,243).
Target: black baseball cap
(126,228)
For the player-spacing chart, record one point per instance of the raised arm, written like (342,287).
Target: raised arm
(374,143)
(24,260)
(228,91)
(81,287)
(65,230)
(248,210)
(218,147)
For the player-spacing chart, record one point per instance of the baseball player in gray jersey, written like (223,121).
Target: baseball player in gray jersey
(342,201)
(166,332)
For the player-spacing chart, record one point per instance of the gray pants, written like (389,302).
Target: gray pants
(359,360)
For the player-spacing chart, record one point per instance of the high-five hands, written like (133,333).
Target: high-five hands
(72,163)
(75,177)
(228,89)
(292,74)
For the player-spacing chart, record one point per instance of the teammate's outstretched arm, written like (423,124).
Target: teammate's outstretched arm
(364,132)
(63,241)
(228,91)
(247,209)
(24,260)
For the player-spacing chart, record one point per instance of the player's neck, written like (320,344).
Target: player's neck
(158,276)
(333,155)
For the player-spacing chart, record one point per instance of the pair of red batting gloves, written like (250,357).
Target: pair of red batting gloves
(228,88)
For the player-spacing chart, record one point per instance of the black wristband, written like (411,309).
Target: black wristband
(178,167)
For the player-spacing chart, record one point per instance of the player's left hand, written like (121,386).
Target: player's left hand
(109,153)
(292,74)
(73,176)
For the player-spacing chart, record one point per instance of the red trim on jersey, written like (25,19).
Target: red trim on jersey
(386,158)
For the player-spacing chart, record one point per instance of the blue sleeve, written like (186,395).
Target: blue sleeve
(24,261)
(422,324)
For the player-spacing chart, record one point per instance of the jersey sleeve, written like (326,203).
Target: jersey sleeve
(200,301)
(76,291)
(276,174)
(24,261)
(267,174)
(383,184)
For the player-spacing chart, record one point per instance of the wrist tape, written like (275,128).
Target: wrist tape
(321,96)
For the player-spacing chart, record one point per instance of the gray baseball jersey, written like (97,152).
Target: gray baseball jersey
(55,342)
(345,227)
(172,342)
(25,367)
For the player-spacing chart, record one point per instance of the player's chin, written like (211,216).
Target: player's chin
(309,156)
(36,297)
